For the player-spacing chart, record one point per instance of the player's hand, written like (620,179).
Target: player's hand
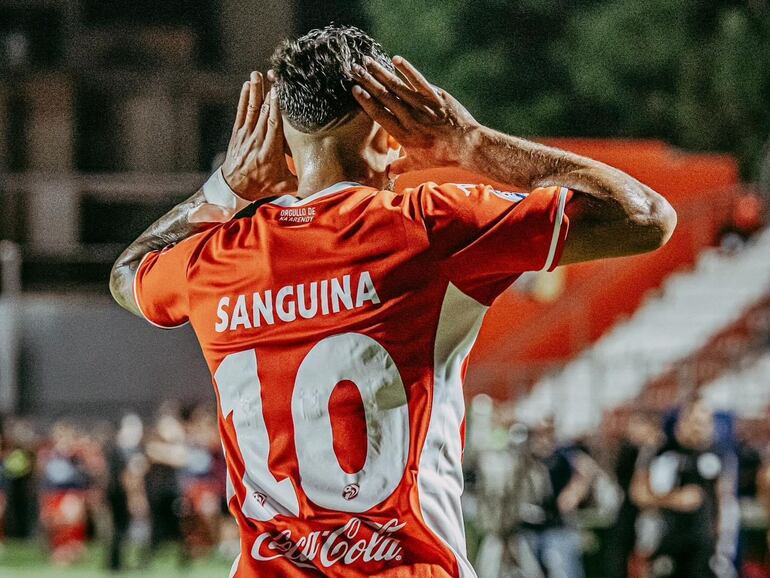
(431,125)
(255,165)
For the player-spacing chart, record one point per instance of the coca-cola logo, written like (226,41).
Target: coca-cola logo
(350,491)
(329,547)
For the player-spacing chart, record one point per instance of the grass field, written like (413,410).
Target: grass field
(30,560)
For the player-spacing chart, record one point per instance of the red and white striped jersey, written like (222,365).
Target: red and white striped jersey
(337,329)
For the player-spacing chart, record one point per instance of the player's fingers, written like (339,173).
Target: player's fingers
(386,77)
(378,113)
(260,129)
(243,103)
(394,84)
(378,91)
(274,134)
(255,100)
(415,77)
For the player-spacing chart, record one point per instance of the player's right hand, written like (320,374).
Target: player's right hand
(255,165)
(431,125)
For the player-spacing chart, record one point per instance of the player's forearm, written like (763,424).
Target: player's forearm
(171,228)
(527,164)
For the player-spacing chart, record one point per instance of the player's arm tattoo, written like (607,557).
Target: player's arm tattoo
(254,169)
(171,228)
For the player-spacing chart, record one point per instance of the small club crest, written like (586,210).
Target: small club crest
(350,491)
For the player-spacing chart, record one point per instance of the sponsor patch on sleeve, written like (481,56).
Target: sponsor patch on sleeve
(508,196)
(511,197)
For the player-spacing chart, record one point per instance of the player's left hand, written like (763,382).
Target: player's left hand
(431,125)
(255,165)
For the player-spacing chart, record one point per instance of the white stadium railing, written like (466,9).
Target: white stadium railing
(745,391)
(691,308)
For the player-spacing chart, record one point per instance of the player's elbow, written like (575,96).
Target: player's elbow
(652,223)
(115,282)
(119,283)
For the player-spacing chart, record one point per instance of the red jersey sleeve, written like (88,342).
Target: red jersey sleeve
(160,285)
(484,238)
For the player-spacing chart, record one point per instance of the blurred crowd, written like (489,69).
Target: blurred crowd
(677,493)
(131,487)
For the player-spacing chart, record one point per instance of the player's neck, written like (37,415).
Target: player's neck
(316,172)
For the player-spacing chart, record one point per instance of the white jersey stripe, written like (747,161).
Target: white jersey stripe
(440,477)
(234,567)
(556,228)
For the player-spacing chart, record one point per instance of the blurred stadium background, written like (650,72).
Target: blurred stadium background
(111,112)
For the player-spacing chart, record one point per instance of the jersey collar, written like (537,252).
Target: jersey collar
(292,201)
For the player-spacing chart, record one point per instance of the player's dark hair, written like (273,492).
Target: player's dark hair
(314,74)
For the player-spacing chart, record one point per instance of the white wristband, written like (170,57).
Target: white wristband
(218,192)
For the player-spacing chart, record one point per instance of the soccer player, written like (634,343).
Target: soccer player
(337,320)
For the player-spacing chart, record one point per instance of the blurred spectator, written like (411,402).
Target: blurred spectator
(499,479)
(125,447)
(642,435)
(692,482)
(763,492)
(203,483)
(18,458)
(749,463)
(64,482)
(561,480)
(91,444)
(166,454)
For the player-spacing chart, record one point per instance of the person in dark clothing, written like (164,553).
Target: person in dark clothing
(117,502)
(749,463)
(166,454)
(559,480)
(642,436)
(692,483)
(126,446)
(20,489)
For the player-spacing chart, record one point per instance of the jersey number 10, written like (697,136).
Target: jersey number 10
(348,356)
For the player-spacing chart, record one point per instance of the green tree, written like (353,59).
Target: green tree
(693,72)
(496,56)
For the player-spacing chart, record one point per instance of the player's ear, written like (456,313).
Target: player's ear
(385,143)
(394,151)
(381,140)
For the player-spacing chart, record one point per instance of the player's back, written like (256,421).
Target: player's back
(337,330)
